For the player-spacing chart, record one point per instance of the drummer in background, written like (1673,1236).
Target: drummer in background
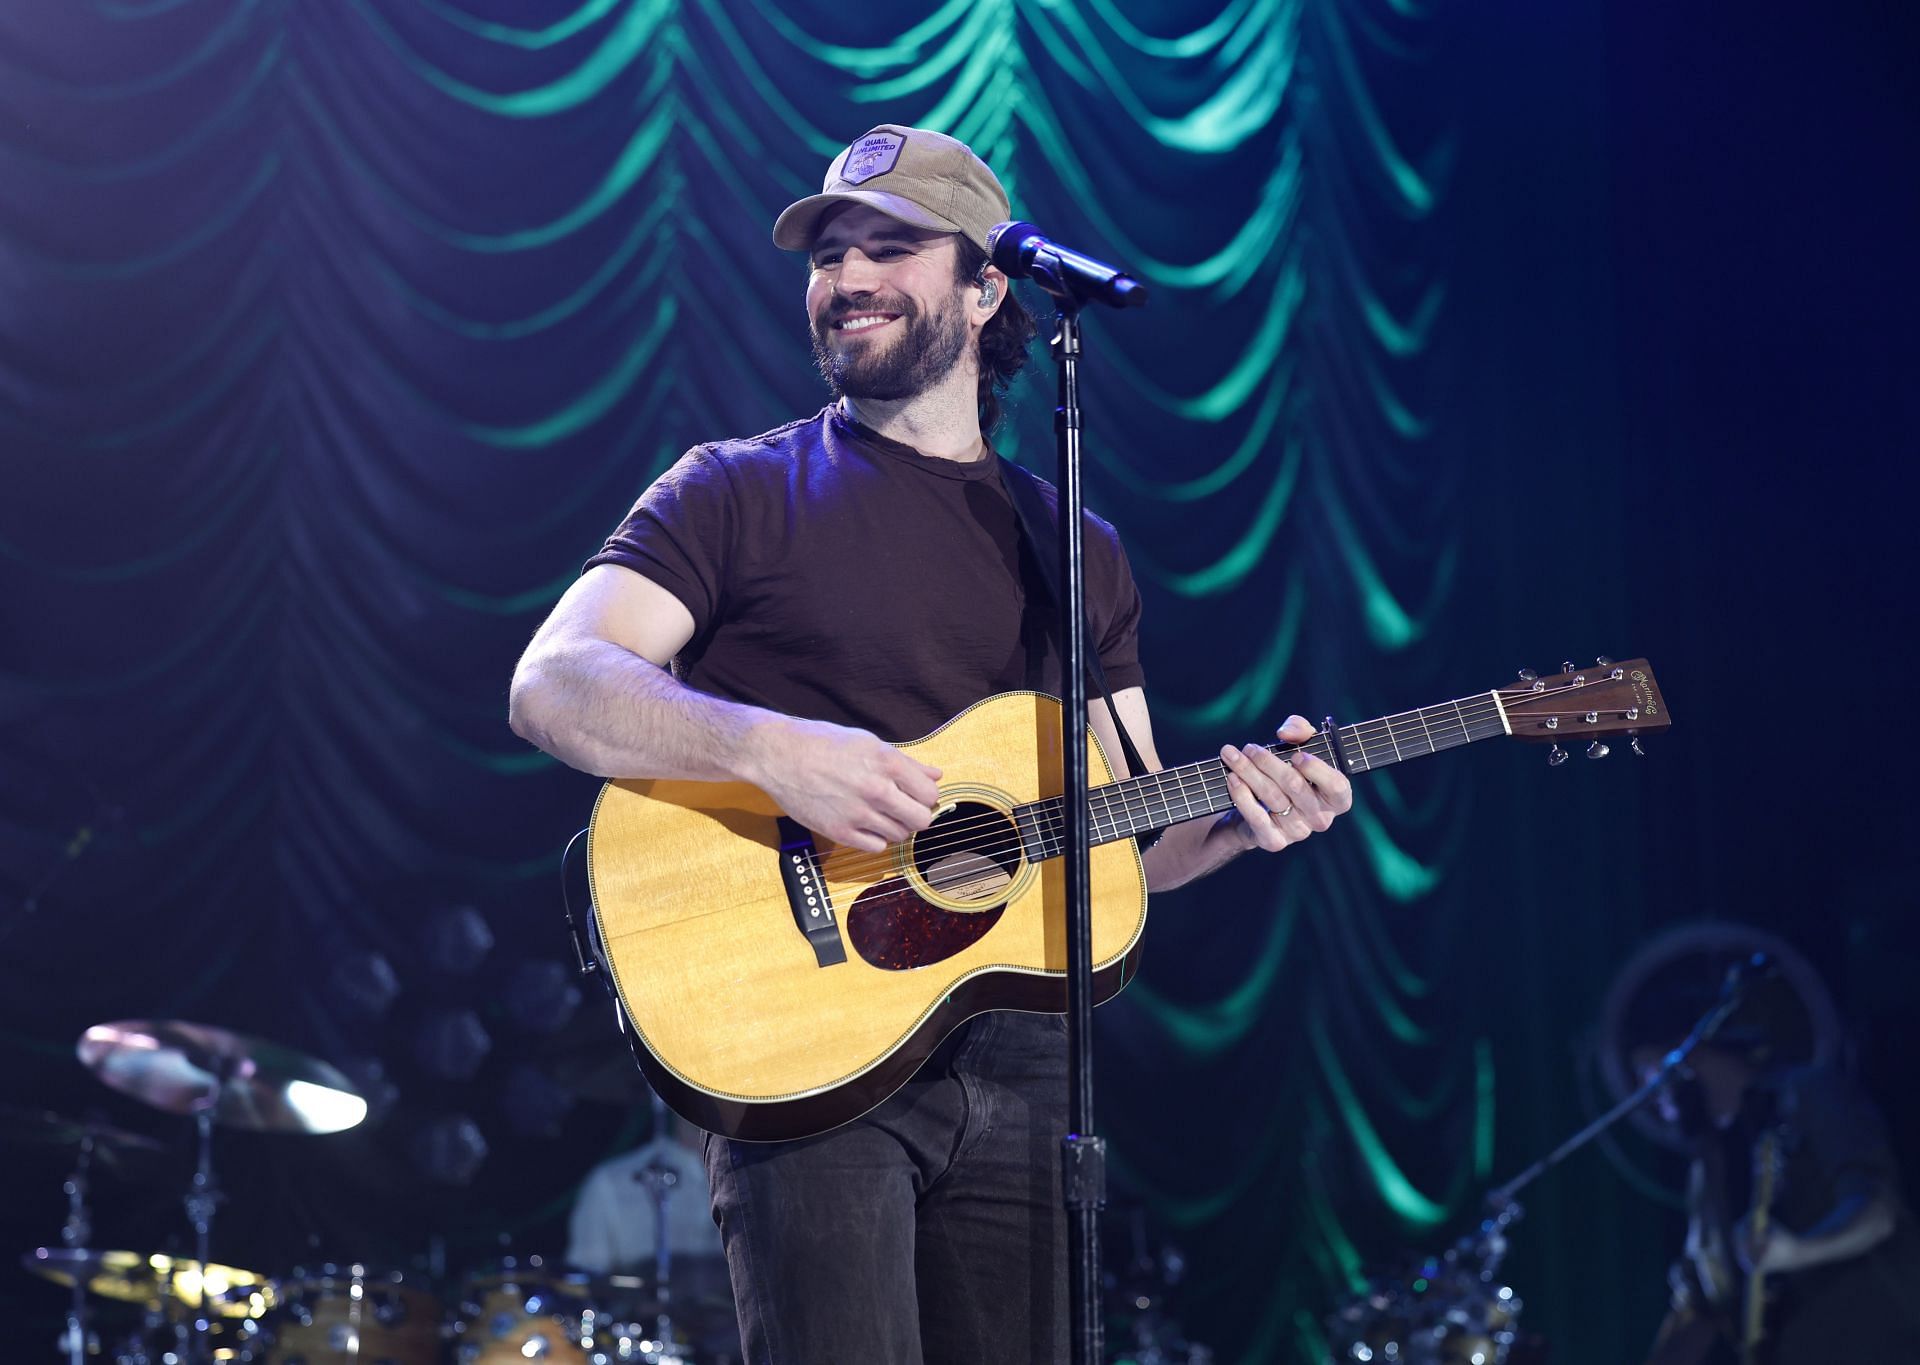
(613,1228)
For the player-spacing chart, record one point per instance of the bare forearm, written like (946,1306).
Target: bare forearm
(1190,850)
(1857,1225)
(607,711)
(611,711)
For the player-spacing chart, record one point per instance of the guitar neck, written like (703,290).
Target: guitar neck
(1152,801)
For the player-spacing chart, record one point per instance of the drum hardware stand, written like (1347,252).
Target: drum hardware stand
(203,1198)
(660,1180)
(74,1235)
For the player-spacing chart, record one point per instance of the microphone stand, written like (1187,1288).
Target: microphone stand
(203,1198)
(1082,1154)
(1074,280)
(1733,994)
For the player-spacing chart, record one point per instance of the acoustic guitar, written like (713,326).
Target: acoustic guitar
(775,984)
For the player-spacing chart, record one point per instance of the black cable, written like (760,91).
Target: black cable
(589,963)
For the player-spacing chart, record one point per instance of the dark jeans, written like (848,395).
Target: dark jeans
(928,1231)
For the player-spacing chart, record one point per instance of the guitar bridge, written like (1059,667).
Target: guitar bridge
(807,894)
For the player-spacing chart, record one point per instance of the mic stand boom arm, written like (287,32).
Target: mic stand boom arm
(1732,995)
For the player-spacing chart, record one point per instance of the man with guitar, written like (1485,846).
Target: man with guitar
(773,612)
(1799,1248)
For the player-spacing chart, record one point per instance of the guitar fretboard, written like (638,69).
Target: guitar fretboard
(1135,805)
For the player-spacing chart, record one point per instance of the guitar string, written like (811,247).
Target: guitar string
(1046,823)
(854,863)
(956,834)
(1364,734)
(1049,824)
(1388,730)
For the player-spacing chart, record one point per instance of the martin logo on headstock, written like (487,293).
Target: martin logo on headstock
(1608,699)
(1643,688)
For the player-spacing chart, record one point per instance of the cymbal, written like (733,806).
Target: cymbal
(45,1127)
(241,1082)
(131,1277)
(63,1265)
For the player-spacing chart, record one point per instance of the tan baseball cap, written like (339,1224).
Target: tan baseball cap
(914,174)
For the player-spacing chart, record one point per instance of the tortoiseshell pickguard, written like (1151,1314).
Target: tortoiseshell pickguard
(896,930)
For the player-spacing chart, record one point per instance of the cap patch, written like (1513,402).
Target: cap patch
(874,154)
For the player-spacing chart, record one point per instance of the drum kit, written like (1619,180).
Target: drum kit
(1450,1309)
(180,1311)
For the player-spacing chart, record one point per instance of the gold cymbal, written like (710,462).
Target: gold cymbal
(154,1280)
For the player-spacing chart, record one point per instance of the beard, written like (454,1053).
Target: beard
(924,353)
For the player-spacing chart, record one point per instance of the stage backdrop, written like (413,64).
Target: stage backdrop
(334,336)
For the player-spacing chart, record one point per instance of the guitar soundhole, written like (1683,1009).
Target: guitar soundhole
(969,856)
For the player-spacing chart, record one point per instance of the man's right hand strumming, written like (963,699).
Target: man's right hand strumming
(846,784)
(594,691)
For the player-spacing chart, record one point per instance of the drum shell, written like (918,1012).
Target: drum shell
(522,1310)
(241,1341)
(354,1315)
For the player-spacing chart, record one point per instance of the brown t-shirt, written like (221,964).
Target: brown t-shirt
(836,575)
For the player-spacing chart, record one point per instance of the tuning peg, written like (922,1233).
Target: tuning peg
(1602,661)
(1598,750)
(1527,675)
(1567,666)
(1634,744)
(1556,756)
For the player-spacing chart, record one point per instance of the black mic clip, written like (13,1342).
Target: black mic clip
(1748,971)
(1741,977)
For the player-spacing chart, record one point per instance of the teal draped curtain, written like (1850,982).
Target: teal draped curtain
(334,335)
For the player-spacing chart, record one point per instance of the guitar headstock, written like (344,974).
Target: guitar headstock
(1586,705)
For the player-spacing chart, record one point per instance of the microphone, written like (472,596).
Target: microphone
(1741,976)
(1746,972)
(1023,253)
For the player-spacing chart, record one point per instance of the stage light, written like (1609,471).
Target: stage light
(364,984)
(457,940)
(369,1077)
(542,996)
(450,1150)
(451,1044)
(533,1103)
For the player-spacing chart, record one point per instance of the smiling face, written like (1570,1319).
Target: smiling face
(887,306)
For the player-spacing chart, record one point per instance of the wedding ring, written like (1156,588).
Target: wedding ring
(1277,814)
